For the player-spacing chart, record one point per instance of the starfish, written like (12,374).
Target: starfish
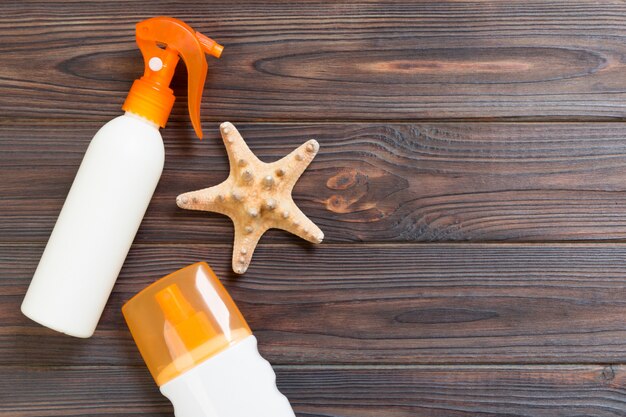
(256,196)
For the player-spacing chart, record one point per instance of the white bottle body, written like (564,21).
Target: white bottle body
(96,227)
(237,382)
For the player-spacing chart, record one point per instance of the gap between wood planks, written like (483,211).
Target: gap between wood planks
(386,245)
(205,121)
(388,366)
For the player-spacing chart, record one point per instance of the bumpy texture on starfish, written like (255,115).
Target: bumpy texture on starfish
(256,196)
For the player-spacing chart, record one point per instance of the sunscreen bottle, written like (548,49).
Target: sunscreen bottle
(115,183)
(199,349)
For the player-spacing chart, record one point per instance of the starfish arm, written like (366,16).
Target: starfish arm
(293,220)
(239,154)
(215,199)
(293,165)
(245,243)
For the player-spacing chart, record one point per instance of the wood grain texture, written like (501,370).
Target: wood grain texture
(358,304)
(374,322)
(472,391)
(369,183)
(339,60)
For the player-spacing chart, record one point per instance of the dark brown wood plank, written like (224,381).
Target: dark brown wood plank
(366,60)
(370,182)
(359,304)
(472,391)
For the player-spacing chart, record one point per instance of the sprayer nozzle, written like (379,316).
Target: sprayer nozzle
(209,46)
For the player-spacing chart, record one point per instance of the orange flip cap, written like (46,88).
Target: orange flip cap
(182,320)
(162,40)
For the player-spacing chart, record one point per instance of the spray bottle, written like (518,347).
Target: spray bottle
(200,350)
(115,183)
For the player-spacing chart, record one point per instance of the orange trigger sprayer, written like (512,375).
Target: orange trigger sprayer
(115,183)
(150,96)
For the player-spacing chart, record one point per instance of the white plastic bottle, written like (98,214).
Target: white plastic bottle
(200,349)
(96,227)
(114,185)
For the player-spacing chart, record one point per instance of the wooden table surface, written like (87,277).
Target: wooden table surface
(471,183)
